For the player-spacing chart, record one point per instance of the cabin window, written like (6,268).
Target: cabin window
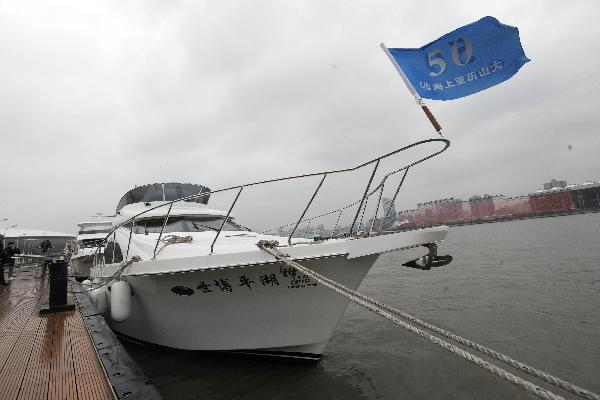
(90,243)
(184,224)
(112,248)
(89,231)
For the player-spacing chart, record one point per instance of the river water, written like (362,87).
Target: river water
(529,289)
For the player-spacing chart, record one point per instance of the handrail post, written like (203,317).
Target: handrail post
(96,253)
(114,247)
(364,209)
(364,195)
(161,230)
(395,194)
(129,242)
(212,246)
(377,209)
(336,222)
(307,226)
(306,209)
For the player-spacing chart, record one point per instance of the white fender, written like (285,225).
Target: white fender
(107,299)
(107,295)
(86,285)
(99,299)
(120,301)
(93,294)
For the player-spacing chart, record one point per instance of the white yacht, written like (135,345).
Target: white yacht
(89,245)
(186,276)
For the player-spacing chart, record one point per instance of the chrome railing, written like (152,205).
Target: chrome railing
(362,201)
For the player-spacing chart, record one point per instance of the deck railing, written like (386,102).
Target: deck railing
(369,190)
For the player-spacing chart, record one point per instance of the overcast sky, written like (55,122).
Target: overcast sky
(97,97)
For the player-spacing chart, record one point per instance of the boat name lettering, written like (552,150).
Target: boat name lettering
(204,287)
(182,291)
(224,285)
(269,280)
(301,281)
(245,281)
(287,271)
(266,280)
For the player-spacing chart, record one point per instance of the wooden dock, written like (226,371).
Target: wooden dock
(45,356)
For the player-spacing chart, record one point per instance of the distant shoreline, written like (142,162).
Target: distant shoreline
(522,217)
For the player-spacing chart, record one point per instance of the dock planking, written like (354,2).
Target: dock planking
(47,356)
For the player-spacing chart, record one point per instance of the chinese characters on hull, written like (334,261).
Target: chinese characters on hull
(248,284)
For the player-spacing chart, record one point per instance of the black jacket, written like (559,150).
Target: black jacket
(9,252)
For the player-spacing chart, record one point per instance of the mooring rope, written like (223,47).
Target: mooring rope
(390,314)
(106,281)
(584,393)
(174,239)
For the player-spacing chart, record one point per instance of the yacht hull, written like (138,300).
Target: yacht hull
(269,308)
(247,301)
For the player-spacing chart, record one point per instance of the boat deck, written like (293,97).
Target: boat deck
(47,356)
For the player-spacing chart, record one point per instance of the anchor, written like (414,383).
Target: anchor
(429,260)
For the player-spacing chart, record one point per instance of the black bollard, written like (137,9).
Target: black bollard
(58,300)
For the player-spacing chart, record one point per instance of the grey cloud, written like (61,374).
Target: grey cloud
(99,97)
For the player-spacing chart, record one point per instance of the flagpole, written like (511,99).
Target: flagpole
(411,88)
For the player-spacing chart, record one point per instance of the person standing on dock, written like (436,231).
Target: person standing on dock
(46,247)
(8,259)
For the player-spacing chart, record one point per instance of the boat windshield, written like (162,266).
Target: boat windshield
(90,231)
(185,224)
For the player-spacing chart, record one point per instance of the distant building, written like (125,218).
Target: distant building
(29,240)
(586,195)
(482,207)
(390,209)
(555,184)
(559,199)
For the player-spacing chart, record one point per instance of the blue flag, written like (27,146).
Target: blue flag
(470,59)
